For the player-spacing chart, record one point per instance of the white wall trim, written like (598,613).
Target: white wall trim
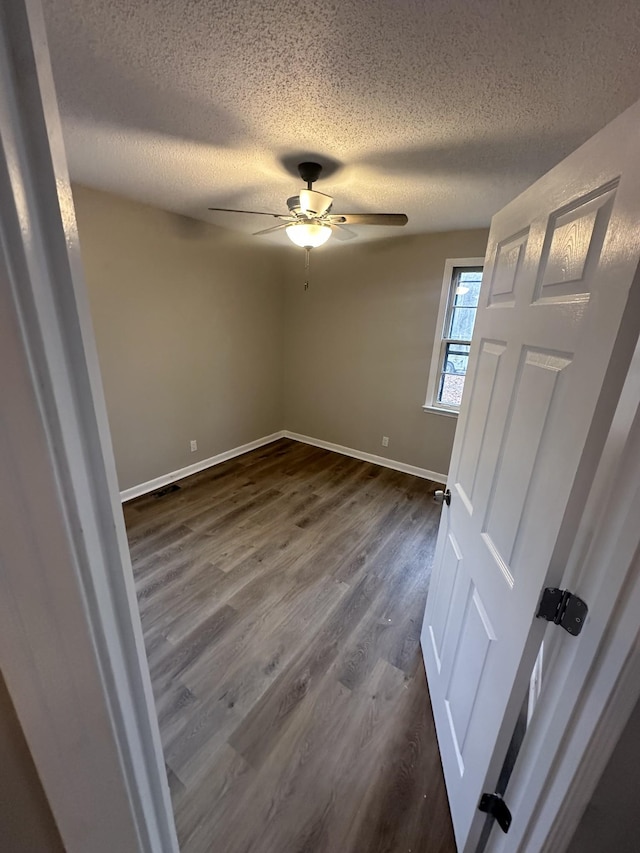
(368,457)
(181,473)
(440,410)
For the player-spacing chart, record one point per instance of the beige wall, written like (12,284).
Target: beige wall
(188,324)
(26,823)
(209,335)
(358,345)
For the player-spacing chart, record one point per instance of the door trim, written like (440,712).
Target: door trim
(71,646)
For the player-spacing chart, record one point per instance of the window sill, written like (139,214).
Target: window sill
(435,410)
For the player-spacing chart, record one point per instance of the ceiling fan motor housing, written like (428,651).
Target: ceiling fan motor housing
(309,204)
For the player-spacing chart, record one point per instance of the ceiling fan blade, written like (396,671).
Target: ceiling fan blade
(368,218)
(269,230)
(341,232)
(255,212)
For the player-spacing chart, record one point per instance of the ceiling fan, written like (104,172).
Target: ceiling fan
(310,223)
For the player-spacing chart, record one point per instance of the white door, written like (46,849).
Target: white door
(557,321)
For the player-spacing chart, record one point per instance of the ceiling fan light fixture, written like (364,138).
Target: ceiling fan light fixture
(308,235)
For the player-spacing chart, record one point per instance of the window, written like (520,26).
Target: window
(458,304)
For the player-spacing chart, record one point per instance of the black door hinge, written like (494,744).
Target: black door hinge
(494,805)
(564,609)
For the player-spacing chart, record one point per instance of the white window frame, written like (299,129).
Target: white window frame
(431,403)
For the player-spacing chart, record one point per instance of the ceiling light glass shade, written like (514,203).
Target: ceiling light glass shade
(308,235)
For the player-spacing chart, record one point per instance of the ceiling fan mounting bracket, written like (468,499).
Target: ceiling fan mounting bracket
(309,172)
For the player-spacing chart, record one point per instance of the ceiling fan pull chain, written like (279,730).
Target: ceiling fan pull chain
(307,257)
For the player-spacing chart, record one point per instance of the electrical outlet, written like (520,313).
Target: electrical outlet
(385,441)
(194,445)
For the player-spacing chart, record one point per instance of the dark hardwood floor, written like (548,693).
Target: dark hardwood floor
(281,596)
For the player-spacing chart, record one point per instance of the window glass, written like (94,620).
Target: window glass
(461,314)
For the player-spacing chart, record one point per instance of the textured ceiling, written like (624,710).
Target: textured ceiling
(441,109)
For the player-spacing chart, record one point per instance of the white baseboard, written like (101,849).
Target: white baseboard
(368,457)
(165,479)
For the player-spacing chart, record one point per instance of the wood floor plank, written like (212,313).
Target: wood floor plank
(410,754)
(307,760)
(249,662)
(196,645)
(281,596)
(204,811)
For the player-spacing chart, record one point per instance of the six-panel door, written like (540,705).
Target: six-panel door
(551,345)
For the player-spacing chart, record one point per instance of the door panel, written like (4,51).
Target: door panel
(571,239)
(469,659)
(509,256)
(475,428)
(522,442)
(443,594)
(557,319)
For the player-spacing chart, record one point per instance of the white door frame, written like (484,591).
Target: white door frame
(71,647)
